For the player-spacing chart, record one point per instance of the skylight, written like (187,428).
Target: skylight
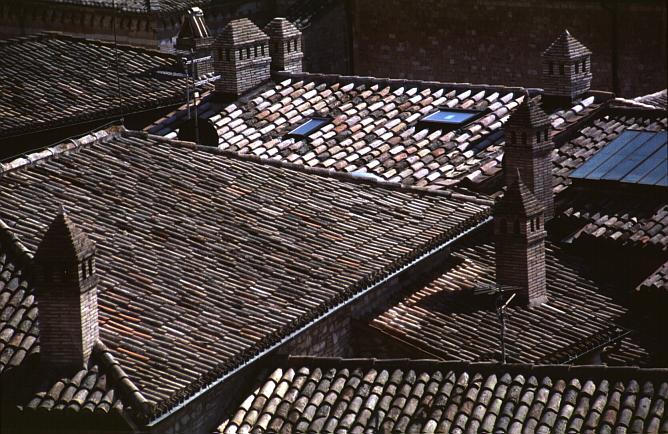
(307,128)
(635,157)
(448,119)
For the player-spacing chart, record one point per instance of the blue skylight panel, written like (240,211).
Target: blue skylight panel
(309,127)
(449,117)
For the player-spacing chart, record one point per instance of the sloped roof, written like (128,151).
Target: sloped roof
(419,396)
(582,313)
(131,6)
(204,260)
(49,81)
(518,198)
(566,47)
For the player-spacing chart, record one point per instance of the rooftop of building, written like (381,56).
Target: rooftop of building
(130,6)
(206,259)
(303,394)
(584,312)
(49,81)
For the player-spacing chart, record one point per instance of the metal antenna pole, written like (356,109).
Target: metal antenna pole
(502,318)
(185,62)
(192,66)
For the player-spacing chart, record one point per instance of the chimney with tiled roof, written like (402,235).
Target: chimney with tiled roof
(520,243)
(528,149)
(241,58)
(566,68)
(285,45)
(66,285)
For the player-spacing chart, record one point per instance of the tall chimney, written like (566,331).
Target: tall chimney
(66,295)
(285,45)
(519,236)
(566,69)
(528,149)
(241,58)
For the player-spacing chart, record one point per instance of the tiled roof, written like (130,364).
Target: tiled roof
(374,126)
(622,219)
(657,281)
(205,260)
(656,100)
(49,81)
(446,319)
(134,6)
(596,134)
(421,396)
(302,12)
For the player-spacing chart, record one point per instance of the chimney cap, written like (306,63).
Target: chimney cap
(241,31)
(63,239)
(518,199)
(281,28)
(566,47)
(529,114)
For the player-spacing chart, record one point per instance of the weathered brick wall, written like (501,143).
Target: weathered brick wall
(500,41)
(326,42)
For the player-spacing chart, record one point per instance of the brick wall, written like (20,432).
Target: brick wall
(500,41)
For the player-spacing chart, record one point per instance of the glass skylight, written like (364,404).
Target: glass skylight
(309,127)
(448,119)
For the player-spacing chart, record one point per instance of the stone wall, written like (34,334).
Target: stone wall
(500,41)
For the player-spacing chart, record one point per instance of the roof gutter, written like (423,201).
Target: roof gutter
(334,309)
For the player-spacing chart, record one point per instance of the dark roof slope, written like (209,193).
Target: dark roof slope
(131,6)
(49,81)
(422,396)
(206,260)
(445,318)
(566,47)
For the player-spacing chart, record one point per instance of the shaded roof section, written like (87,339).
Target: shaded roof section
(518,199)
(566,47)
(131,6)
(49,81)
(657,282)
(446,319)
(417,396)
(528,115)
(634,157)
(240,31)
(204,260)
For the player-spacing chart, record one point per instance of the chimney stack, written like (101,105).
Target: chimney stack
(241,58)
(194,42)
(285,45)
(528,148)
(519,236)
(566,69)
(66,295)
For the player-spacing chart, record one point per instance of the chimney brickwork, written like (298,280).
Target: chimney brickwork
(241,58)
(528,148)
(66,285)
(519,235)
(194,42)
(566,68)
(285,45)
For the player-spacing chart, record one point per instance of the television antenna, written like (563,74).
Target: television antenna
(499,292)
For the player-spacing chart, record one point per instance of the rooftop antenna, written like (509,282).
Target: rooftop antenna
(118,76)
(499,292)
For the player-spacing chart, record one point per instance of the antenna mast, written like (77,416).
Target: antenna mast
(501,305)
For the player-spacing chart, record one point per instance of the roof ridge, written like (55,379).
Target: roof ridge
(462,364)
(458,193)
(9,239)
(359,79)
(127,388)
(62,148)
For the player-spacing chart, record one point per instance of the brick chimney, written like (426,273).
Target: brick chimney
(528,149)
(285,45)
(66,295)
(194,42)
(241,58)
(519,236)
(566,69)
